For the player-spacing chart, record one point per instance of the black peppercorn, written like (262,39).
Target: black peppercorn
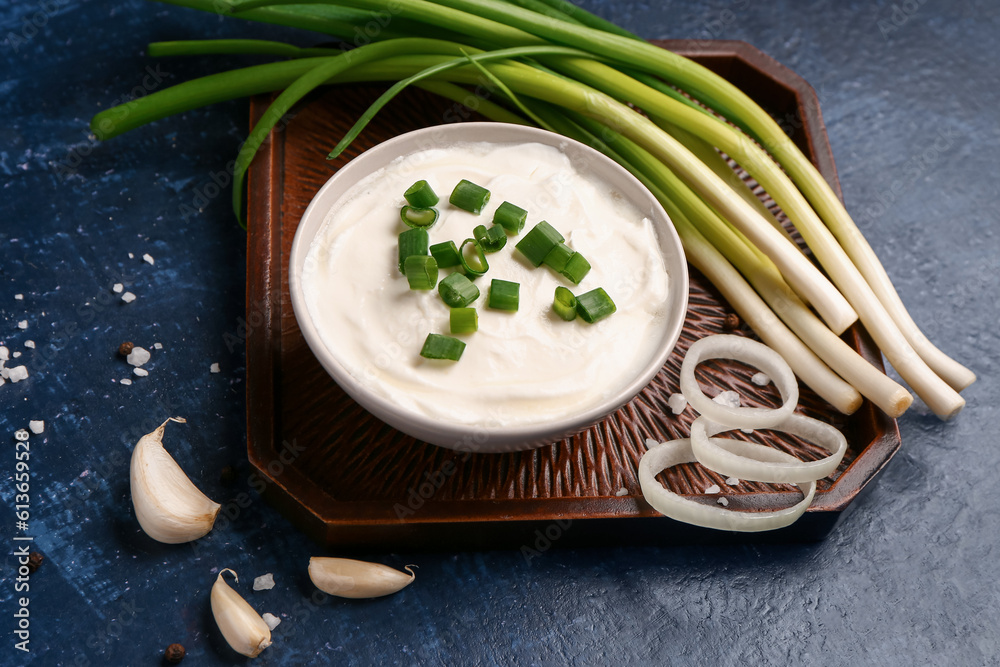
(174,654)
(732,322)
(125,348)
(228,476)
(34,560)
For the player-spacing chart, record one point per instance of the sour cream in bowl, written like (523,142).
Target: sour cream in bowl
(526,378)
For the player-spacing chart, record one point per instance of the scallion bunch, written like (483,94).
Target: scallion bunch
(559,67)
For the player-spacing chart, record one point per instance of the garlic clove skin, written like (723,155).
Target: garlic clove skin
(348,578)
(244,629)
(169,507)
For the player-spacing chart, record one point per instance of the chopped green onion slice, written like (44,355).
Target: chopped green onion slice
(469,197)
(595,305)
(420,195)
(504,294)
(457,291)
(412,242)
(418,217)
(437,346)
(492,239)
(446,254)
(537,243)
(421,271)
(464,320)
(564,304)
(510,217)
(557,258)
(476,264)
(576,268)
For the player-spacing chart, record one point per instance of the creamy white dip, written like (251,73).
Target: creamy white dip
(520,368)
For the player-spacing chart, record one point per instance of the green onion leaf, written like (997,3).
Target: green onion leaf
(492,239)
(504,294)
(474,260)
(421,271)
(457,291)
(510,217)
(576,268)
(537,243)
(464,320)
(446,254)
(437,346)
(420,195)
(412,242)
(557,258)
(469,197)
(595,305)
(564,304)
(418,217)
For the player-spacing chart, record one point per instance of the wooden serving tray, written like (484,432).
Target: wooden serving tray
(352,482)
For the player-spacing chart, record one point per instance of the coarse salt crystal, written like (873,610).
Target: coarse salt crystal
(677,403)
(148,259)
(131,256)
(713,489)
(4,353)
(126,381)
(138,356)
(760,379)
(36,426)
(214,368)
(651,443)
(4,372)
(117,288)
(732,481)
(17,374)
(264,582)
(29,344)
(141,372)
(128,297)
(23,324)
(621,492)
(728,398)
(2,382)
(271,620)
(723,502)
(157,346)
(16,354)
(19,297)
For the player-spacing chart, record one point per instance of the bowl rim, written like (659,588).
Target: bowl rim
(459,436)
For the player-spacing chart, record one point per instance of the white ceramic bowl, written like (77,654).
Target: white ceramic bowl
(496,438)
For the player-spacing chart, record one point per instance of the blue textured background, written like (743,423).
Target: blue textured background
(910,93)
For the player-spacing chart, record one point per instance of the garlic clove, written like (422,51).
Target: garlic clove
(348,578)
(170,508)
(244,629)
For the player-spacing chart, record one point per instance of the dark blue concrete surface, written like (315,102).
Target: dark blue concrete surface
(910,92)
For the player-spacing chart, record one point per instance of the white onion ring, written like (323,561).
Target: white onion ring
(718,453)
(748,351)
(676,507)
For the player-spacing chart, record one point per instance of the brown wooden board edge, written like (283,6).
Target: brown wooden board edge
(264,450)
